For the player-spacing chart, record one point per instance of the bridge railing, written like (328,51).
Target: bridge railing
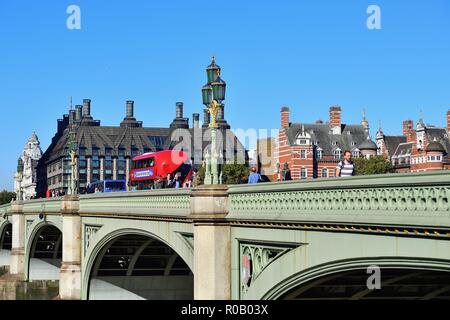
(416,199)
(165,202)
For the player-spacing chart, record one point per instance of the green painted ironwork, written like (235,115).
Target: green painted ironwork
(397,199)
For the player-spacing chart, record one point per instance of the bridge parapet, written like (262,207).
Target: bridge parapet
(159,203)
(51,205)
(413,199)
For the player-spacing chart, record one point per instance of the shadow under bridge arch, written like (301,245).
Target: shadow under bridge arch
(137,266)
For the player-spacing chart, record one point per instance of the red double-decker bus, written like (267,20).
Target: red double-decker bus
(148,167)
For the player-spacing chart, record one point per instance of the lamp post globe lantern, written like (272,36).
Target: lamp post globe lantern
(218,89)
(207,94)
(20,166)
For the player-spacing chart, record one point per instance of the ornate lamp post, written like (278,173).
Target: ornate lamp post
(19,178)
(213,93)
(72,152)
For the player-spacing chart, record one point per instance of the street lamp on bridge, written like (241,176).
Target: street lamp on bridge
(213,93)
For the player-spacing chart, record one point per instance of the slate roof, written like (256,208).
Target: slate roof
(131,137)
(392,142)
(404,149)
(350,138)
(440,135)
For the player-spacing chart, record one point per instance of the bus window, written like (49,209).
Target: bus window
(144,163)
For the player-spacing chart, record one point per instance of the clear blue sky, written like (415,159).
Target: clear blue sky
(308,55)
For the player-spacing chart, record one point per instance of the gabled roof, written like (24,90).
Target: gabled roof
(392,143)
(321,133)
(404,149)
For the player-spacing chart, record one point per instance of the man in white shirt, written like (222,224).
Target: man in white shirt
(346,167)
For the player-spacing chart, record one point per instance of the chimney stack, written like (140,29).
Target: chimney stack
(71,116)
(196,120)
(130,109)
(179,110)
(448,120)
(284,117)
(335,117)
(86,108)
(78,112)
(408,127)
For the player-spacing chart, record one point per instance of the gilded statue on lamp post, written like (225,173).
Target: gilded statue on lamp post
(213,93)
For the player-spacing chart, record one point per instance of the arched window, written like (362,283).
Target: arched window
(325,173)
(356,153)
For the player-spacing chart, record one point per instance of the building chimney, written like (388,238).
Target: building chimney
(448,120)
(78,112)
(284,117)
(86,108)
(71,116)
(130,109)
(179,110)
(408,129)
(335,117)
(196,120)
(205,117)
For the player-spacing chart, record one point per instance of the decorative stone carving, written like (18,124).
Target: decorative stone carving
(89,235)
(30,156)
(255,257)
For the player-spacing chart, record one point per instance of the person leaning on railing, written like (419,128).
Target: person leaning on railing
(346,167)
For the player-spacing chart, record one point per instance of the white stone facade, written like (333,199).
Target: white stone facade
(30,156)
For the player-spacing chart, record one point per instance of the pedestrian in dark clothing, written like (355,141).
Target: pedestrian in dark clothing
(242,179)
(286,174)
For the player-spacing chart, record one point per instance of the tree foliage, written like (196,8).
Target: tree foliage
(6,197)
(230,173)
(374,165)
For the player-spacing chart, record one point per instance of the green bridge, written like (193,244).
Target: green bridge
(290,240)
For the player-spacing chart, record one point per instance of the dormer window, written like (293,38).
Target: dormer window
(319,153)
(337,153)
(303,138)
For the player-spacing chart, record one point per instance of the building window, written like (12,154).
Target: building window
(325,173)
(303,154)
(337,154)
(356,153)
(319,153)
(158,142)
(303,173)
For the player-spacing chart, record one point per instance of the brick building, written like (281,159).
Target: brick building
(313,150)
(420,148)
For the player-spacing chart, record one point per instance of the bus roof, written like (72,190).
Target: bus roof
(157,153)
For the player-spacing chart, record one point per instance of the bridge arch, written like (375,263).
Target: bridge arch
(6,235)
(393,271)
(45,234)
(143,240)
(324,254)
